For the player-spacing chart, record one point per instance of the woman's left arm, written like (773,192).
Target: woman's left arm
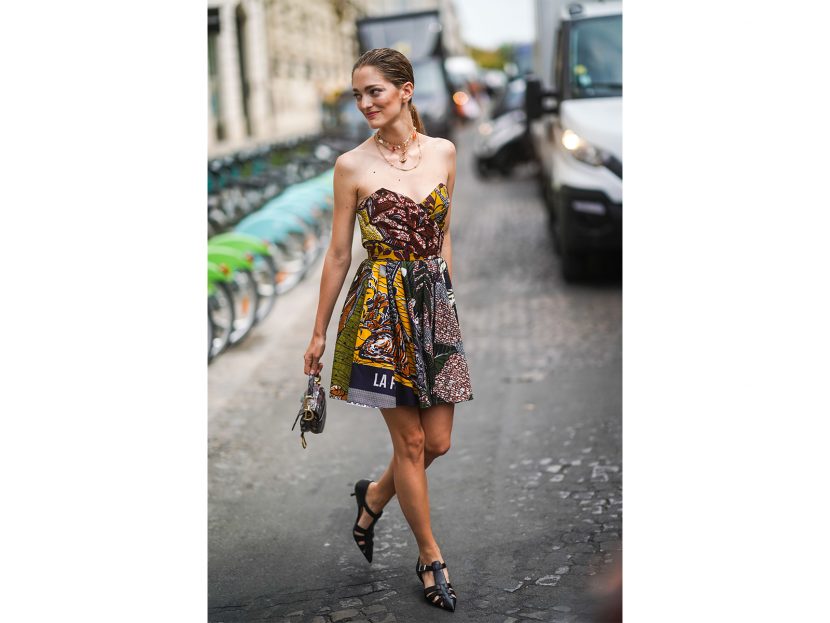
(446,250)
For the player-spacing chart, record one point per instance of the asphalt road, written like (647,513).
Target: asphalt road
(526,505)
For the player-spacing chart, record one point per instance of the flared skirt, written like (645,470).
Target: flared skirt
(399,337)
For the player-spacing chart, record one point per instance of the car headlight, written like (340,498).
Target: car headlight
(581,149)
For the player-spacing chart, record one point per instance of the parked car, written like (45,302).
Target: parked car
(502,140)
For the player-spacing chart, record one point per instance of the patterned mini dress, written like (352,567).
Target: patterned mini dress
(398,338)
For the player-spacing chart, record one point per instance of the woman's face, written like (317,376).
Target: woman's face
(379,100)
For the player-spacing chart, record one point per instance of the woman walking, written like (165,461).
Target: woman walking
(399,346)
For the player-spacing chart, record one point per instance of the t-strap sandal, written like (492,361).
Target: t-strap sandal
(364,537)
(441,594)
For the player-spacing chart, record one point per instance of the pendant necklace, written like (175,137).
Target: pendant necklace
(379,141)
(393,147)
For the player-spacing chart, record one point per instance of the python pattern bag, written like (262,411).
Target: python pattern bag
(312,409)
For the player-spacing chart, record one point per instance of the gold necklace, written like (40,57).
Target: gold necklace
(420,154)
(393,147)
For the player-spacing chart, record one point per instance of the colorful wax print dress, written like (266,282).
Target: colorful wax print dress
(399,339)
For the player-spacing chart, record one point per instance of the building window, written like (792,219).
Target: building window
(241,20)
(214,96)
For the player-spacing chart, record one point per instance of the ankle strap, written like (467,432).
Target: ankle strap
(429,567)
(372,514)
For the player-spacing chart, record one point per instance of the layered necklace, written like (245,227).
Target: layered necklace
(395,148)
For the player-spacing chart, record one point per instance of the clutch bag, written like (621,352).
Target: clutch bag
(312,414)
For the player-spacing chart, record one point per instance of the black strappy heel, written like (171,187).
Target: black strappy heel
(364,537)
(441,594)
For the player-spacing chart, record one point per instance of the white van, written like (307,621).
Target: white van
(574,111)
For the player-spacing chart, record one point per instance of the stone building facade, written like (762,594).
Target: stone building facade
(271,63)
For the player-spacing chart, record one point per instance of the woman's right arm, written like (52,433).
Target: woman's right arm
(337,261)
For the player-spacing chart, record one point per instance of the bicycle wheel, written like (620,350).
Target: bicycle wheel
(210,334)
(245,300)
(291,262)
(265,275)
(222,316)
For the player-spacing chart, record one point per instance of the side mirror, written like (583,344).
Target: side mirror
(539,101)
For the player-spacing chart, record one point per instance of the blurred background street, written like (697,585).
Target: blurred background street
(527,504)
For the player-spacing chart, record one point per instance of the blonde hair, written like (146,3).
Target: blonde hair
(397,69)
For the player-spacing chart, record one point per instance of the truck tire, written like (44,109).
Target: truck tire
(573,265)
(554,234)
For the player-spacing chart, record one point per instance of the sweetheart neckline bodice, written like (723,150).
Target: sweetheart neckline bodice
(373,193)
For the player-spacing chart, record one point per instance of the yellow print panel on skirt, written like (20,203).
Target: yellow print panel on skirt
(384,336)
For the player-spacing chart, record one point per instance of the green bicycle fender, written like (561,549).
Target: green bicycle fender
(241,241)
(215,274)
(234,259)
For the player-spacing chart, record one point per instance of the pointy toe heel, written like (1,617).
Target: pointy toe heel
(441,594)
(364,537)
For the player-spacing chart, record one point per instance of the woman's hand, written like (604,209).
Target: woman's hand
(313,354)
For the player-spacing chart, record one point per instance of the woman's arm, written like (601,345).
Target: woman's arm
(446,250)
(337,261)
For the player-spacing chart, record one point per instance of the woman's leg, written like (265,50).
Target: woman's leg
(437,424)
(418,437)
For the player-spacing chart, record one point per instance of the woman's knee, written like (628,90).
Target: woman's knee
(437,424)
(411,445)
(437,447)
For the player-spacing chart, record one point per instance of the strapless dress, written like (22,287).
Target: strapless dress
(399,337)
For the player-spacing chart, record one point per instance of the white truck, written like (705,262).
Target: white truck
(574,113)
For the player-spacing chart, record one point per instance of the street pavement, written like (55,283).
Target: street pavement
(526,505)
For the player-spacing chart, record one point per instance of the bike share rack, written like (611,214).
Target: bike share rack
(269,219)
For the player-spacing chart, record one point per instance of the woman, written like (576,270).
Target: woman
(399,344)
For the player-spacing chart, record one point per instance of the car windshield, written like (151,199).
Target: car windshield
(596,57)
(429,80)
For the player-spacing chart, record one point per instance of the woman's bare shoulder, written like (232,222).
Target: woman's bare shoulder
(351,160)
(444,145)
(349,169)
